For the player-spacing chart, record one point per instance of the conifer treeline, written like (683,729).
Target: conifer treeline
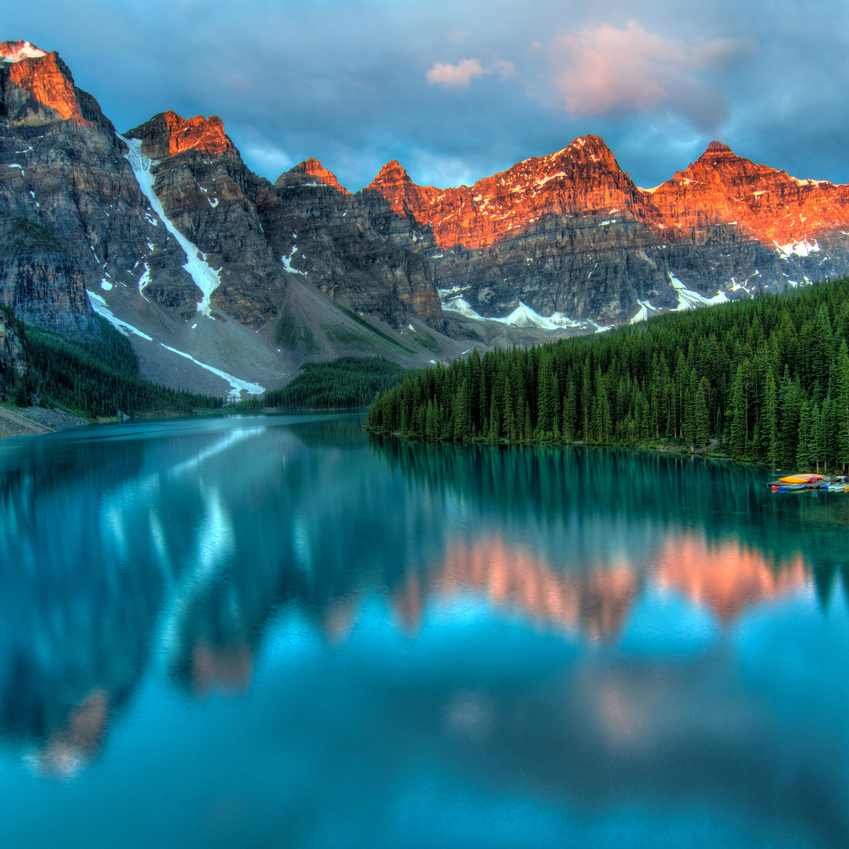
(340,384)
(95,377)
(767,376)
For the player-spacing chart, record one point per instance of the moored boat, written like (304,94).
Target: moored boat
(801,478)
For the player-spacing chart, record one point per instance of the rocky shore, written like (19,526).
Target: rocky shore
(31,421)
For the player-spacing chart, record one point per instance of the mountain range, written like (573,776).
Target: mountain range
(226,282)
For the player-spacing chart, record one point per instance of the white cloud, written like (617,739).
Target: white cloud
(503,68)
(456,76)
(608,70)
(462,74)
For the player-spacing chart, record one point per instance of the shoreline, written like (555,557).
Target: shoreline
(34,421)
(712,451)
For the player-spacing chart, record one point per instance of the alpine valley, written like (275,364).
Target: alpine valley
(227,283)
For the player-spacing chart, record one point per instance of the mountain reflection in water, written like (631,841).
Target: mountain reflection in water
(172,552)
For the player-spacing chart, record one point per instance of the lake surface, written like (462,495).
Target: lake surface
(274,632)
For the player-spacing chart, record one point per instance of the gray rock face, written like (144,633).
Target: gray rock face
(39,280)
(13,364)
(170,230)
(570,233)
(573,267)
(209,194)
(63,167)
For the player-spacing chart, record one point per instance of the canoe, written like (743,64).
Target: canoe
(790,487)
(793,479)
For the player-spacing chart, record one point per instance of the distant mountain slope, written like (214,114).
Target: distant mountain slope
(180,245)
(226,282)
(570,236)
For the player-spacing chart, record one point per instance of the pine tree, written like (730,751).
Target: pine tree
(803,455)
(769,430)
(739,415)
(702,416)
(815,454)
(841,406)
(586,400)
(461,413)
(570,413)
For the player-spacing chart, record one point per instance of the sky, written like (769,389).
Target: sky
(457,91)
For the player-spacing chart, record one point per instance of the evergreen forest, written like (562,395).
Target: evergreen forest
(93,377)
(340,384)
(764,379)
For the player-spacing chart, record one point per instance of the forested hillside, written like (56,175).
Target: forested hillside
(95,378)
(340,384)
(768,377)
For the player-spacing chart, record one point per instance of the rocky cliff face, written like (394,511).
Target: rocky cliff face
(209,195)
(13,365)
(721,188)
(571,236)
(63,167)
(328,235)
(174,239)
(39,280)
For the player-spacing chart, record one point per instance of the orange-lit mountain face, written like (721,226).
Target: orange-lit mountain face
(584,180)
(310,173)
(775,208)
(37,87)
(167,134)
(569,236)
(166,223)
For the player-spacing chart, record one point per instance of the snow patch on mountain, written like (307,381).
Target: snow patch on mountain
(287,262)
(98,304)
(144,280)
(687,298)
(525,316)
(460,305)
(802,249)
(644,312)
(237,384)
(206,278)
(522,316)
(25,51)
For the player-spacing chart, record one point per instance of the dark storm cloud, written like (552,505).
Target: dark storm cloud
(458,91)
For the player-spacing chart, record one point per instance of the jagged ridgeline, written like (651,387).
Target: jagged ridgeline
(94,377)
(768,377)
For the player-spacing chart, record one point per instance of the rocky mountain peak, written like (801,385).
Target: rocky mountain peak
(168,134)
(392,174)
(716,148)
(310,172)
(592,147)
(719,163)
(16,51)
(587,161)
(37,87)
(583,179)
(723,188)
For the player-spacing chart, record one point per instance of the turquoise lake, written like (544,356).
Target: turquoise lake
(277,632)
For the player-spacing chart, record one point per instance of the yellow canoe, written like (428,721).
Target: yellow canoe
(801,478)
